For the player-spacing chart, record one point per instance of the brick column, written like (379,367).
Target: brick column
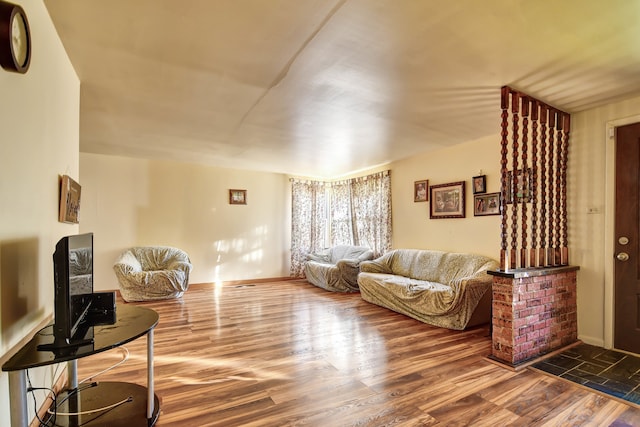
(534,313)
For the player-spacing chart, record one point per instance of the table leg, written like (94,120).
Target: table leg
(72,374)
(150,388)
(18,400)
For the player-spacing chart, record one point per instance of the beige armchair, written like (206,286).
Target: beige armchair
(336,269)
(152,273)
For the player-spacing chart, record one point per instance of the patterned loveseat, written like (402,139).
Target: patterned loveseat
(152,273)
(450,290)
(336,269)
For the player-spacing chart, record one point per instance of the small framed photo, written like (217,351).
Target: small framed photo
(479,184)
(486,204)
(237,197)
(69,211)
(421,191)
(447,200)
(520,187)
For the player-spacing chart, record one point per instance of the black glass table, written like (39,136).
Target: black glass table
(131,322)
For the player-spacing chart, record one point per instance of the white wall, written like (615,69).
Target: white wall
(39,122)
(132,202)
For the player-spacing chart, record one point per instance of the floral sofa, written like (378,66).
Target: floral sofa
(450,290)
(336,269)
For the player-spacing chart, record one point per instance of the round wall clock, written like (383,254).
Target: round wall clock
(15,39)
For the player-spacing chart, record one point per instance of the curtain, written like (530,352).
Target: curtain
(342,231)
(361,212)
(308,222)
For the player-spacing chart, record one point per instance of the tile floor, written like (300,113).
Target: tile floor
(607,371)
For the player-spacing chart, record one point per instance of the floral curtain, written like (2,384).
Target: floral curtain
(342,230)
(308,222)
(361,212)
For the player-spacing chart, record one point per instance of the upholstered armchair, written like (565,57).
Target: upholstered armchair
(336,269)
(152,273)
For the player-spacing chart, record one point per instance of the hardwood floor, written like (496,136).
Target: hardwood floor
(290,354)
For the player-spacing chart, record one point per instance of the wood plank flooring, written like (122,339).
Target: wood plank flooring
(289,354)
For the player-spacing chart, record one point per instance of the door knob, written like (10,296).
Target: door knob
(622,256)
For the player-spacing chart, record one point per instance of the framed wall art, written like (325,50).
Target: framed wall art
(237,197)
(520,186)
(486,204)
(421,191)
(479,184)
(69,210)
(447,200)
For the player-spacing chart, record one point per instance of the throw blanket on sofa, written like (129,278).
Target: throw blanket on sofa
(439,288)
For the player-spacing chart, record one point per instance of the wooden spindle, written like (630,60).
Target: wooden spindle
(534,183)
(542,252)
(557,255)
(515,106)
(551,185)
(565,157)
(525,181)
(504,104)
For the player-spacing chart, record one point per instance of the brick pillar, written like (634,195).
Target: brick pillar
(534,313)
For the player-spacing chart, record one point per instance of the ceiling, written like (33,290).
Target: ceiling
(324,88)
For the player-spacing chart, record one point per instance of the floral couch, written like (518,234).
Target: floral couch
(450,290)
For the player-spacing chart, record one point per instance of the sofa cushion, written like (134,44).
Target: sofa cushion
(414,285)
(349,252)
(433,266)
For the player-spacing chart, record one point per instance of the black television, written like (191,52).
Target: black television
(73,290)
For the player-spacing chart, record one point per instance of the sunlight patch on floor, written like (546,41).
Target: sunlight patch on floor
(245,373)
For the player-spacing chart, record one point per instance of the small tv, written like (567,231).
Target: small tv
(73,290)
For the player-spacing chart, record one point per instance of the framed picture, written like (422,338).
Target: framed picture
(69,211)
(521,186)
(447,200)
(420,191)
(479,184)
(237,197)
(486,204)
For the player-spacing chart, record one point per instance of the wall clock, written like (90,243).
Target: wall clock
(15,39)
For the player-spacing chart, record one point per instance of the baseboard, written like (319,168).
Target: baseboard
(231,283)
(244,282)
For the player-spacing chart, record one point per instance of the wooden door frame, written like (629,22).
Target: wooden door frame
(609,225)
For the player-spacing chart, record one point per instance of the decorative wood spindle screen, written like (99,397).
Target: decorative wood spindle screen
(535,146)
